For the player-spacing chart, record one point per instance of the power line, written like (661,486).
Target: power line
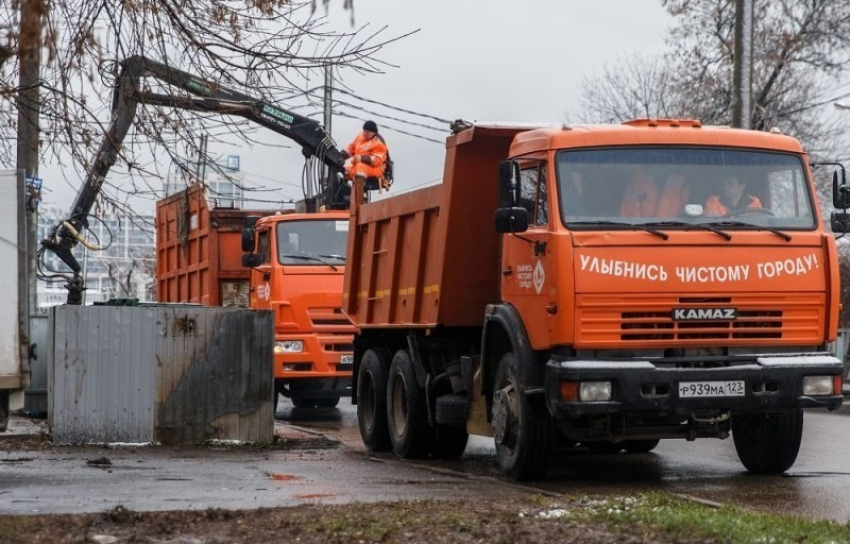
(358,97)
(344,114)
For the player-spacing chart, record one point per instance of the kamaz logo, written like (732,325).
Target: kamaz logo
(274,112)
(705,314)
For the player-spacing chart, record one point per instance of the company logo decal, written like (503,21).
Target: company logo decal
(263,291)
(539,277)
(705,314)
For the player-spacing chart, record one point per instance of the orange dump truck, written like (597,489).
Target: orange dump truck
(607,286)
(291,263)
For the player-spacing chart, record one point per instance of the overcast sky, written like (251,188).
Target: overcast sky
(477,60)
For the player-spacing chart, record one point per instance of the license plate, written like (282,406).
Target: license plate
(712,389)
(346,359)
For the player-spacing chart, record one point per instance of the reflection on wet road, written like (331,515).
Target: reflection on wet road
(818,485)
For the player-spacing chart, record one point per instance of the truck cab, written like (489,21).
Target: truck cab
(297,267)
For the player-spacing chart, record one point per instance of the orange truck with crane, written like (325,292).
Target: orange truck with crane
(577,285)
(299,276)
(293,263)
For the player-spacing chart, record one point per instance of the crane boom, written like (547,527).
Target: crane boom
(201,95)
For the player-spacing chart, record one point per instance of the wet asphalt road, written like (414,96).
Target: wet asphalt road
(326,462)
(818,485)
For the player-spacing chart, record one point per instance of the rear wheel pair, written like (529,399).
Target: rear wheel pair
(392,414)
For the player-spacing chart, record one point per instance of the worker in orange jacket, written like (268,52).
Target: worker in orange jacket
(643,199)
(368,153)
(733,198)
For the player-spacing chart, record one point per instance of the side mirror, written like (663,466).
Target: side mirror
(840,222)
(509,184)
(248,239)
(251,260)
(840,191)
(510,220)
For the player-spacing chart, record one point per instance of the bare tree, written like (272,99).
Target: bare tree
(800,49)
(267,48)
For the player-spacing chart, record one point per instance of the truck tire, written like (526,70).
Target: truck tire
(407,415)
(522,426)
(452,410)
(301,402)
(372,399)
(768,443)
(326,402)
(641,446)
(448,442)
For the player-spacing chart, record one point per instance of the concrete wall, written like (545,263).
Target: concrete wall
(167,374)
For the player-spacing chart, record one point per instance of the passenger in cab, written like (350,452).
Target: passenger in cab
(733,198)
(643,198)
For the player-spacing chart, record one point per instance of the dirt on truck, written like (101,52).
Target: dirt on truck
(611,286)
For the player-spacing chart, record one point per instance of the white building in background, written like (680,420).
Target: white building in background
(224,181)
(125,268)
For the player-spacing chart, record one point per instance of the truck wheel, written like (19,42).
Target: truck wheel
(449,442)
(372,399)
(522,427)
(326,402)
(640,446)
(301,402)
(452,410)
(768,443)
(406,411)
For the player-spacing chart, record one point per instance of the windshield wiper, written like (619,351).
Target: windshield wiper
(784,236)
(631,226)
(311,258)
(337,257)
(688,225)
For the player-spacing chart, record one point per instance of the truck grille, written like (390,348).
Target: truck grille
(610,320)
(659,326)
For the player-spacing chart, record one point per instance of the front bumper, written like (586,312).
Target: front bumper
(650,388)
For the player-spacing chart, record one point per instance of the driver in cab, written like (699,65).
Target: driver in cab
(733,198)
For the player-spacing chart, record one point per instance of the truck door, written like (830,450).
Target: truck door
(261,275)
(527,268)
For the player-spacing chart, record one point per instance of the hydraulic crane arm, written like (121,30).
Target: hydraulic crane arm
(201,95)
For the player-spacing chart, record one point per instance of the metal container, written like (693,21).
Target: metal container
(166,374)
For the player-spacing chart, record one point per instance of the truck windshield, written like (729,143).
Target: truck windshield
(312,242)
(677,187)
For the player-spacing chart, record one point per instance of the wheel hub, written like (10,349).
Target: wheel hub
(501,416)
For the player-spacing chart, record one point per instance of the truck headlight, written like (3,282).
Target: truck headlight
(594,391)
(288,346)
(585,391)
(818,385)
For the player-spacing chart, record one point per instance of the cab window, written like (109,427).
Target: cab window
(533,193)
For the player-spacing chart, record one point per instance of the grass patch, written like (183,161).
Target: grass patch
(687,520)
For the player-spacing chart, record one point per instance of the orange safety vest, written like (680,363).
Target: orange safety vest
(374,148)
(641,198)
(714,207)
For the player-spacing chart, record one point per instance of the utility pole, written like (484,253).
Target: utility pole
(742,72)
(29,105)
(328,111)
(329,78)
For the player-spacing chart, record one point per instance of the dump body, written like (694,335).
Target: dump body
(431,256)
(614,284)
(199,253)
